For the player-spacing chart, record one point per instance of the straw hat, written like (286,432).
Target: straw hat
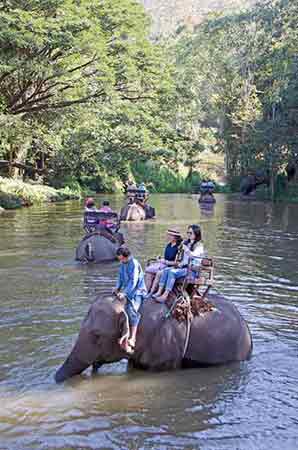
(173,232)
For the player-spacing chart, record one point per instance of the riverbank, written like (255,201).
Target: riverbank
(16,194)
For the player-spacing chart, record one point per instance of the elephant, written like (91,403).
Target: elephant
(291,170)
(207,209)
(99,246)
(215,337)
(206,189)
(250,182)
(137,212)
(207,197)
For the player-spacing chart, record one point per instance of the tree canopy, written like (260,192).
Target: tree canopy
(86,95)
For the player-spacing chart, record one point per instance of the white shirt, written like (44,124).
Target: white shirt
(197,253)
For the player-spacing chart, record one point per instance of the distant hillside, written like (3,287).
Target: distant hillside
(168,14)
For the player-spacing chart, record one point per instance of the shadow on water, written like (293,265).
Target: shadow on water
(45,294)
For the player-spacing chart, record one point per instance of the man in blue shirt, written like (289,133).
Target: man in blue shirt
(132,286)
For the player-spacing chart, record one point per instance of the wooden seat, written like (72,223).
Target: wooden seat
(202,275)
(93,219)
(198,276)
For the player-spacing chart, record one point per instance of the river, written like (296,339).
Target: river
(45,295)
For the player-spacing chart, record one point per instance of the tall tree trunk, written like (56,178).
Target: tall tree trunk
(20,156)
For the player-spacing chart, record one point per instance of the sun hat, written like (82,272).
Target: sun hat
(174,232)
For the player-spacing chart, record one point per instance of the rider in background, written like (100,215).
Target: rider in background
(105,208)
(210,186)
(90,205)
(142,192)
(193,247)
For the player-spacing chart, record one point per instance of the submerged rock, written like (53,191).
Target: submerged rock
(9,201)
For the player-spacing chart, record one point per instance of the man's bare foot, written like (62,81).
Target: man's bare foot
(126,347)
(132,343)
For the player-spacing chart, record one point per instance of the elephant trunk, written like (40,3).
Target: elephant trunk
(71,367)
(83,354)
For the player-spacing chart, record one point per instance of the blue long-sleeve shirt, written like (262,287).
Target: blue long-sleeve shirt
(131,279)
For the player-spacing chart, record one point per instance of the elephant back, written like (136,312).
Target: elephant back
(219,336)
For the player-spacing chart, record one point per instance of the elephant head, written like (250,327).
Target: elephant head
(98,340)
(133,212)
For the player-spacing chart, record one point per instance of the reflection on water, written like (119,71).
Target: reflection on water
(45,294)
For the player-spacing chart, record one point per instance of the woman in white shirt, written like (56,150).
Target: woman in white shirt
(192,248)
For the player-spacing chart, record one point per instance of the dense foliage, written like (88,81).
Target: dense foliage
(244,81)
(82,88)
(88,99)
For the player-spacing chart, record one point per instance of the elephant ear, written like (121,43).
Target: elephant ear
(123,326)
(101,318)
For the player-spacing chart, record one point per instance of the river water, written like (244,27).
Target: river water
(45,294)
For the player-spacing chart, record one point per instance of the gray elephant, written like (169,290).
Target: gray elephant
(136,212)
(207,197)
(250,182)
(206,189)
(217,336)
(102,238)
(99,246)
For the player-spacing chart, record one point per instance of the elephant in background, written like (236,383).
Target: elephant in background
(250,182)
(99,246)
(137,212)
(207,198)
(215,337)
(206,189)
(292,170)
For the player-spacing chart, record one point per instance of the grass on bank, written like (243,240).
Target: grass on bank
(16,193)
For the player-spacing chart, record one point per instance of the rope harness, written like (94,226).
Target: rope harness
(185,307)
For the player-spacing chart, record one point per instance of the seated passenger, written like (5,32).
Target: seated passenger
(153,272)
(90,219)
(90,205)
(210,186)
(131,191)
(131,283)
(193,247)
(107,223)
(142,193)
(105,207)
(204,187)
(131,187)
(142,188)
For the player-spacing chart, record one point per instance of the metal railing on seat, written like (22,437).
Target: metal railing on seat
(200,275)
(94,220)
(200,271)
